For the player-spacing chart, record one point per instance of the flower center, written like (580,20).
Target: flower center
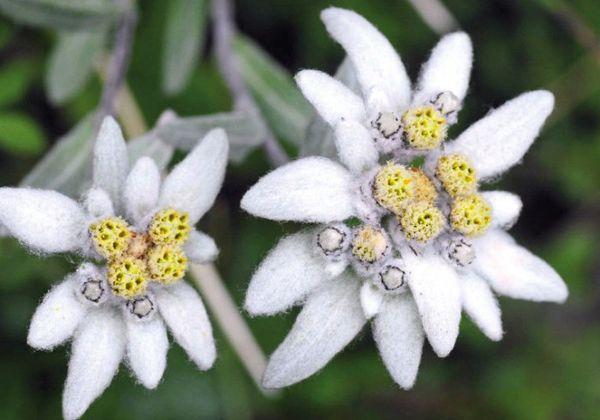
(424,190)
(110,236)
(425,127)
(421,221)
(369,244)
(167,263)
(470,215)
(170,227)
(393,187)
(456,174)
(127,277)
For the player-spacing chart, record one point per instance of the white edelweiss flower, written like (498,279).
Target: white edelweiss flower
(388,114)
(143,231)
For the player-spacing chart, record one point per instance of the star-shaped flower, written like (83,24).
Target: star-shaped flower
(137,234)
(427,243)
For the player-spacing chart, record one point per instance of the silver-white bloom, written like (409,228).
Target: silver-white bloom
(106,327)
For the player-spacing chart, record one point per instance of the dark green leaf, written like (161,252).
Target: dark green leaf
(19,134)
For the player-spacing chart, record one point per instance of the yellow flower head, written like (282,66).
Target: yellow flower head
(424,190)
(110,236)
(127,277)
(393,187)
(456,174)
(470,215)
(369,244)
(425,127)
(421,221)
(167,263)
(170,227)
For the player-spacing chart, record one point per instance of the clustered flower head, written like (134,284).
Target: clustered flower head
(405,245)
(136,236)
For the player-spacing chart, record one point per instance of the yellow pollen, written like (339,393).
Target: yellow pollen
(421,221)
(166,263)
(423,187)
(369,244)
(456,174)
(127,277)
(425,127)
(170,227)
(393,187)
(470,215)
(110,236)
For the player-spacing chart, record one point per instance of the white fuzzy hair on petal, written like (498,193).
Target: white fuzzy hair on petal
(142,187)
(147,345)
(355,146)
(481,305)
(201,248)
(506,208)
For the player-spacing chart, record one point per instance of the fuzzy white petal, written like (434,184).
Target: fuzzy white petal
(312,189)
(330,319)
(399,336)
(142,187)
(331,98)
(500,140)
(515,272)
(45,221)
(448,68)
(377,64)
(371,299)
(57,317)
(194,183)
(481,305)
(355,146)
(285,276)
(200,248)
(111,160)
(436,290)
(147,346)
(98,348)
(98,204)
(184,313)
(506,208)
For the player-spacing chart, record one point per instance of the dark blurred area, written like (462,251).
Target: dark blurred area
(547,365)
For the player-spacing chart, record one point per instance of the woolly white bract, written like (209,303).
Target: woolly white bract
(406,248)
(117,306)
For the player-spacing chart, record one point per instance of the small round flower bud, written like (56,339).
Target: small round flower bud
(470,215)
(93,291)
(446,103)
(141,308)
(460,251)
(425,127)
(421,221)
(393,187)
(167,263)
(333,239)
(170,227)
(369,244)
(424,190)
(127,277)
(456,174)
(387,123)
(392,278)
(110,236)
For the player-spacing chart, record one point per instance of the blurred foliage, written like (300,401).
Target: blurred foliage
(548,364)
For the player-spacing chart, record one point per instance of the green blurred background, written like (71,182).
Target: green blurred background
(547,365)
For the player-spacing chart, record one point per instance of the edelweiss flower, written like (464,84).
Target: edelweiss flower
(388,115)
(429,243)
(141,235)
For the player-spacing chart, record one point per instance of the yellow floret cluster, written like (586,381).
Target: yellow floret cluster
(470,215)
(369,244)
(456,174)
(135,258)
(424,189)
(393,187)
(424,127)
(421,221)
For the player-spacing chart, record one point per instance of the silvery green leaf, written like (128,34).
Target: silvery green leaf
(71,63)
(62,14)
(319,135)
(283,106)
(244,130)
(66,168)
(152,146)
(183,37)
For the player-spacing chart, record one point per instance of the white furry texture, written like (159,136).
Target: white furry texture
(200,248)
(142,186)
(184,313)
(330,319)
(436,290)
(147,346)
(506,208)
(111,160)
(500,140)
(399,336)
(194,183)
(481,305)
(378,66)
(98,348)
(371,299)
(45,221)
(515,272)
(284,278)
(355,146)
(57,317)
(331,98)
(312,189)
(98,204)
(447,70)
